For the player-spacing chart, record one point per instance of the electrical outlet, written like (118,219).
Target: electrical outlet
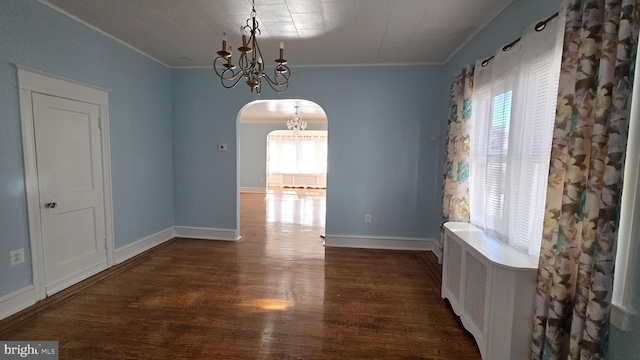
(17,257)
(367,218)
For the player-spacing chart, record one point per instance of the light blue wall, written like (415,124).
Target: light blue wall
(253,151)
(35,36)
(380,157)
(505,28)
(204,181)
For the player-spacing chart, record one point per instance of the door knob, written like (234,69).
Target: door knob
(51,205)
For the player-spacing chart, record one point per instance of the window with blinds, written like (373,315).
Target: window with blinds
(514,110)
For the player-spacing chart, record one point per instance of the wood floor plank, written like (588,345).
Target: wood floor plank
(276,294)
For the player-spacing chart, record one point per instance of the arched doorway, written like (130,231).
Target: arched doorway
(255,121)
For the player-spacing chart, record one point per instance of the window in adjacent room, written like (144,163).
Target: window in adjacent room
(305,153)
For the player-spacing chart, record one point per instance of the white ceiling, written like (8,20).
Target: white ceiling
(270,111)
(186,33)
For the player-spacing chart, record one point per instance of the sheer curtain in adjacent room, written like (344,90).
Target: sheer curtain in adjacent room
(304,153)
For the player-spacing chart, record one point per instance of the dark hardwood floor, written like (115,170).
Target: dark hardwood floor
(275,294)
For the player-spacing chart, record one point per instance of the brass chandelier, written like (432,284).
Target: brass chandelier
(250,64)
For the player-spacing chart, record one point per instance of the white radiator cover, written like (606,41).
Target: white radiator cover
(491,287)
(298,180)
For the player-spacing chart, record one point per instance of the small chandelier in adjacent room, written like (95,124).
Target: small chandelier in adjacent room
(250,63)
(295,122)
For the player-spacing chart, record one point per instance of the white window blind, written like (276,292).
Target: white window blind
(514,109)
(305,153)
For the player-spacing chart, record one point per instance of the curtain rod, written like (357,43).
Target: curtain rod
(539,27)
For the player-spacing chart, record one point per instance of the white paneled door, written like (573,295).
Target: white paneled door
(70,183)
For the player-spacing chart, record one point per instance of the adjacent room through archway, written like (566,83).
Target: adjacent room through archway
(285,169)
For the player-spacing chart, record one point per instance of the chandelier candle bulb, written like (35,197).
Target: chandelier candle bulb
(223,53)
(244,36)
(224,41)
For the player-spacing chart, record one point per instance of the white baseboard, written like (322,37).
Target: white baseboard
(128,251)
(16,301)
(377,242)
(206,233)
(253,190)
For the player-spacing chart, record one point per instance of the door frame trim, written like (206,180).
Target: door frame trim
(34,81)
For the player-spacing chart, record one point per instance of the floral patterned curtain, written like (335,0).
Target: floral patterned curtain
(455,195)
(575,275)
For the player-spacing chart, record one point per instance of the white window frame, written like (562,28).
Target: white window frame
(629,229)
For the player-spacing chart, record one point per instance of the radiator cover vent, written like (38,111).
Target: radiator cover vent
(454,256)
(475,292)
